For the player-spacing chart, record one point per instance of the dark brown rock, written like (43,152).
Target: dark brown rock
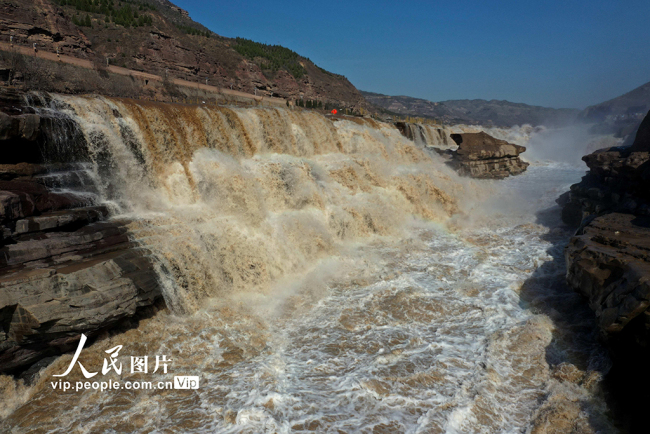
(480,155)
(10,206)
(26,127)
(12,171)
(46,248)
(617,181)
(608,262)
(44,308)
(36,198)
(64,268)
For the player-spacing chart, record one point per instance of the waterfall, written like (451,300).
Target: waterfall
(230,199)
(427,135)
(313,281)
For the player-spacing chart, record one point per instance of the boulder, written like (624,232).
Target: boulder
(480,155)
(10,206)
(482,146)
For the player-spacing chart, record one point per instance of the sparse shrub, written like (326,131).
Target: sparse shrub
(99,64)
(34,73)
(274,57)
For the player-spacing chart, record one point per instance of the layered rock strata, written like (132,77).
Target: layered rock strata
(607,259)
(480,155)
(617,181)
(477,155)
(608,262)
(66,268)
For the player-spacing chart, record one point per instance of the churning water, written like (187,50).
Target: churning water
(327,277)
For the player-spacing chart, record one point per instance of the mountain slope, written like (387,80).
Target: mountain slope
(477,111)
(620,116)
(632,105)
(156,36)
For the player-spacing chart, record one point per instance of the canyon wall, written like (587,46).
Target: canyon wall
(608,261)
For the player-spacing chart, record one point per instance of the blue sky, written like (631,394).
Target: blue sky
(551,53)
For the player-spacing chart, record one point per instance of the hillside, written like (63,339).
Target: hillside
(477,111)
(621,115)
(157,37)
(632,105)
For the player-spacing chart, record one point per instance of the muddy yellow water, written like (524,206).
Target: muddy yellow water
(324,277)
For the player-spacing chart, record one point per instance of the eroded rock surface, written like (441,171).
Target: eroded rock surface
(65,267)
(607,259)
(480,155)
(617,181)
(608,262)
(477,155)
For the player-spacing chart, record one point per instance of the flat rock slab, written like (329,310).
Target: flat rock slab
(41,310)
(608,262)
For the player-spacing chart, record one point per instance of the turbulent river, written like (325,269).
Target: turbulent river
(327,277)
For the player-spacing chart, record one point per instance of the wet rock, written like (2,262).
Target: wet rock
(616,182)
(42,309)
(480,155)
(25,127)
(608,262)
(64,269)
(35,198)
(12,171)
(31,375)
(61,220)
(18,139)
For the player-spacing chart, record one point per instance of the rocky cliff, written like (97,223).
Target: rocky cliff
(608,261)
(66,267)
(160,38)
(616,182)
